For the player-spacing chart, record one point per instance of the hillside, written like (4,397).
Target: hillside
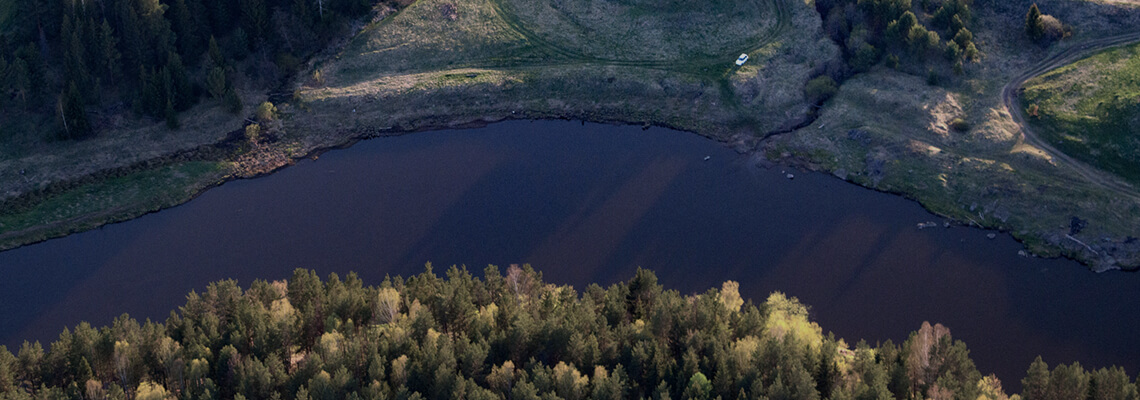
(956,147)
(1089,109)
(442,63)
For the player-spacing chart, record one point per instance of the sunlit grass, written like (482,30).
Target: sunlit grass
(1074,109)
(105,200)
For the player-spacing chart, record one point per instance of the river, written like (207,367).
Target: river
(589,203)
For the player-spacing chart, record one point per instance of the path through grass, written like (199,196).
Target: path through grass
(1090,109)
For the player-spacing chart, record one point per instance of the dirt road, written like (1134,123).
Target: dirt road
(1011,90)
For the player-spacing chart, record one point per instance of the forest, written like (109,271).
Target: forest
(69,68)
(870,31)
(509,336)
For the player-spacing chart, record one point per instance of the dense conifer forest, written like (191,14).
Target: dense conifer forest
(507,336)
(69,68)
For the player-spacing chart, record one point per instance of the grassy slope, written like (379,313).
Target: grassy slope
(427,68)
(1070,99)
(987,176)
(50,189)
(113,199)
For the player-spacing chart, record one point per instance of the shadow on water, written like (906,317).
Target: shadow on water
(588,203)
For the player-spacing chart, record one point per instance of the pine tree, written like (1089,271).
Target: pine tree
(222,15)
(1034,27)
(74,117)
(181,92)
(132,36)
(1035,385)
(171,116)
(151,97)
(216,83)
(29,78)
(19,80)
(956,23)
(91,36)
(4,84)
(109,57)
(217,60)
(233,102)
(185,30)
(74,56)
(971,52)
(964,38)
(255,20)
(1068,382)
(164,83)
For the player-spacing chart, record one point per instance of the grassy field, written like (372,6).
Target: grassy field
(446,62)
(1091,109)
(105,200)
(52,188)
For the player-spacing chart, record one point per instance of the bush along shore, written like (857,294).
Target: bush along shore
(505,336)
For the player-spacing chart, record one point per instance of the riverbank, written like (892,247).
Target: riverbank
(447,64)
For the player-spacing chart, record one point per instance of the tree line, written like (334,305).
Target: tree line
(509,336)
(74,61)
(924,35)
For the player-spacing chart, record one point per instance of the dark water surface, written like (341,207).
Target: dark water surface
(588,203)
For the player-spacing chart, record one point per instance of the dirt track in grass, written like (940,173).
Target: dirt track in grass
(1009,95)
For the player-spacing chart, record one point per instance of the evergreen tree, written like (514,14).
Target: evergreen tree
(185,30)
(964,38)
(971,52)
(216,83)
(1034,26)
(1068,382)
(222,15)
(181,91)
(1035,385)
(905,24)
(19,80)
(5,89)
(132,35)
(217,60)
(108,63)
(1111,383)
(171,116)
(254,20)
(75,66)
(233,102)
(152,95)
(31,84)
(73,115)
(956,23)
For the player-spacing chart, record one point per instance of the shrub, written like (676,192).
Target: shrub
(266,112)
(959,124)
(820,89)
(253,133)
(953,51)
(1053,28)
